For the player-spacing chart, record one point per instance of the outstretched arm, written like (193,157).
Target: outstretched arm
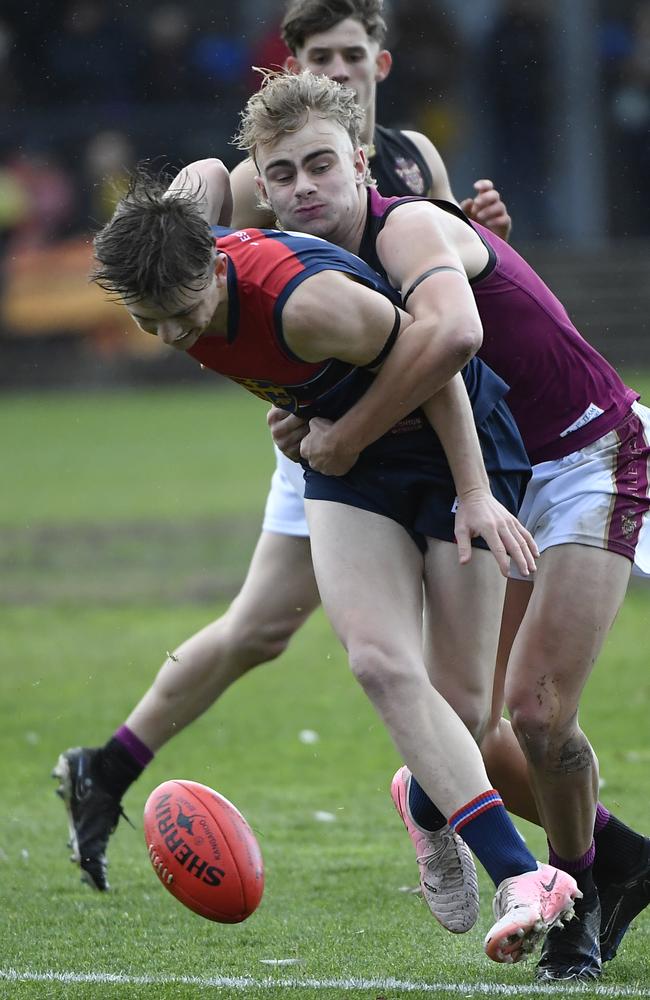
(210,182)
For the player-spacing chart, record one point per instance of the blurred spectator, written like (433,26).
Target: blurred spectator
(630,113)
(165,71)
(221,54)
(93,56)
(15,202)
(429,62)
(268,52)
(31,29)
(108,157)
(15,208)
(517,87)
(46,198)
(8,80)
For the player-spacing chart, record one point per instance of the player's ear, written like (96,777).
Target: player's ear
(383,63)
(220,265)
(360,165)
(262,197)
(292,65)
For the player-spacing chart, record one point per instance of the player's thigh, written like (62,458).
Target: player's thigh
(463,607)
(577,593)
(369,574)
(280,588)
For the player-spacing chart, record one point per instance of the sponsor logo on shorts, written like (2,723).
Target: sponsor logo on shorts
(406,425)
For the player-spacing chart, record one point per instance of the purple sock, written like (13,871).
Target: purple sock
(619,848)
(122,760)
(574,866)
(602,817)
(138,750)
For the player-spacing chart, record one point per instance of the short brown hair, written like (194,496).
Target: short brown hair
(304,18)
(284,101)
(153,245)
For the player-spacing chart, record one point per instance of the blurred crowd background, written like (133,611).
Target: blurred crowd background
(551,100)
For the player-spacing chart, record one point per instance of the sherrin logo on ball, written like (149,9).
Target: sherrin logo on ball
(203,851)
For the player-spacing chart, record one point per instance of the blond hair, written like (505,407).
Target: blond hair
(284,102)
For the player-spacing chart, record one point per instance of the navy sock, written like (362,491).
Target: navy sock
(486,827)
(422,810)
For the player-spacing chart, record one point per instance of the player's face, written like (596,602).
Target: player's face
(182,318)
(346,54)
(312,179)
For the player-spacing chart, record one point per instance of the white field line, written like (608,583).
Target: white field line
(271,983)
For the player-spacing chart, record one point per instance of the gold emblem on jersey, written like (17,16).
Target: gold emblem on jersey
(277,395)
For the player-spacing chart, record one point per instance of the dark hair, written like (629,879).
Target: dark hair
(307,17)
(153,245)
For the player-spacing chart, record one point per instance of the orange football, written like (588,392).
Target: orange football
(203,851)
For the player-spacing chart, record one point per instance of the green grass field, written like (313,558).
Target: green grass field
(126,522)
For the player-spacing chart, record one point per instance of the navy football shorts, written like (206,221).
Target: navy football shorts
(405,476)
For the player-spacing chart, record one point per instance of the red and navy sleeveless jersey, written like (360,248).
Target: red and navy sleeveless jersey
(264,268)
(563,394)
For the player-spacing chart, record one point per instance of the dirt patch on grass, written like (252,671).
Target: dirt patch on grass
(202,561)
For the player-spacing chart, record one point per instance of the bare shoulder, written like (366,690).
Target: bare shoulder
(418,236)
(247,213)
(416,222)
(440,186)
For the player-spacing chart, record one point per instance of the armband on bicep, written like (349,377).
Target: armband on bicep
(392,337)
(427,274)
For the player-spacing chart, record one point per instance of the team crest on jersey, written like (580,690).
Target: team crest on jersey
(411,174)
(277,395)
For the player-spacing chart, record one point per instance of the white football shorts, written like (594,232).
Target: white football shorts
(285,505)
(597,496)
